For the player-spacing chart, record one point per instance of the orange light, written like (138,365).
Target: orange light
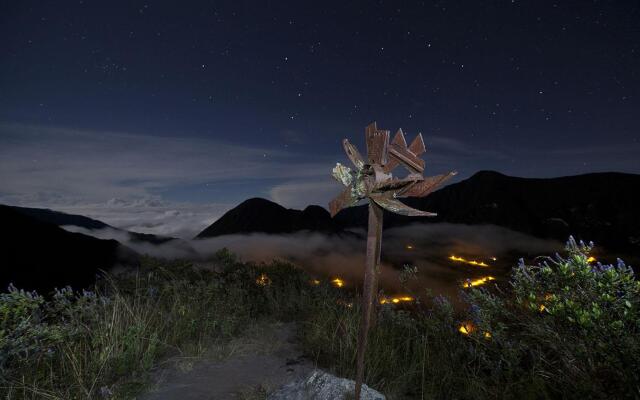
(591,259)
(396,300)
(478,282)
(263,280)
(470,262)
(466,328)
(337,282)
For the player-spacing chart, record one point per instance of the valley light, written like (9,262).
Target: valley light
(372,180)
(396,300)
(470,262)
(467,328)
(409,247)
(337,282)
(263,280)
(477,282)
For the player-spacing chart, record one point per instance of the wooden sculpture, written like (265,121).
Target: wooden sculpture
(372,180)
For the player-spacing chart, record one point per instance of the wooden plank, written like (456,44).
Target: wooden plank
(426,186)
(398,207)
(343,200)
(397,184)
(353,154)
(374,242)
(407,158)
(399,140)
(417,147)
(377,144)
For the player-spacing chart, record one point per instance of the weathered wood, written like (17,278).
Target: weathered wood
(396,206)
(373,180)
(377,145)
(417,146)
(426,186)
(374,243)
(344,200)
(353,154)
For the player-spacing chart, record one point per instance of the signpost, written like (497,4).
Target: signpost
(372,180)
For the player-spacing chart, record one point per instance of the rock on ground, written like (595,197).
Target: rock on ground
(323,386)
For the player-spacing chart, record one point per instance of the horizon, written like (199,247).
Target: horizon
(159,119)
(199,228)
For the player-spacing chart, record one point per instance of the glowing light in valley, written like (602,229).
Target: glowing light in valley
(591,259)
(263,280)
(470,262)
(396,300)
(315,282)
(337,282)
(409,247)
(477,282)
(466,328)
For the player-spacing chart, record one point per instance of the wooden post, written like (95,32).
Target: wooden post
(372,180)
(374,243)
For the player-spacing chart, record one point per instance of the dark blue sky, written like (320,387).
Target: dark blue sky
(157,100)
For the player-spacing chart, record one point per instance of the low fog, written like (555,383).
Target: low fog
(425,246)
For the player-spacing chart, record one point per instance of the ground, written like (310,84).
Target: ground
(261,360)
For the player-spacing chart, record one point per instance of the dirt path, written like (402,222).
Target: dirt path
(262,360)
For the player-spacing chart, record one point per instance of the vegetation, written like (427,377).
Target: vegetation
(565,328)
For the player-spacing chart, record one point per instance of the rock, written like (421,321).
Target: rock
(323,386)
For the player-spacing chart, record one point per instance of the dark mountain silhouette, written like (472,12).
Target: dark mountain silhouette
(63,219)
(602,207)
(38,255)
(260,215)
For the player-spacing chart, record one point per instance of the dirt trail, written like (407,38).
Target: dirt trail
(264,359)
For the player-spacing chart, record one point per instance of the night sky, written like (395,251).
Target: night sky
(159,116)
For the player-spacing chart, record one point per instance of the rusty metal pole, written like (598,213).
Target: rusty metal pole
(374,243)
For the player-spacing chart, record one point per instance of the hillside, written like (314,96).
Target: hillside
(601,206)
(260,215)
(40,256)
(63,219)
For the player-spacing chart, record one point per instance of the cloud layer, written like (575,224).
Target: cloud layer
(178,185)
(134,181)
(344,256)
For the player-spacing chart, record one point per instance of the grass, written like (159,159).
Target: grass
(584,343)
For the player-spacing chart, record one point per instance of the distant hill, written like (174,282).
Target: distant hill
(63,219)
(260,215)
(38,255)
(603,207)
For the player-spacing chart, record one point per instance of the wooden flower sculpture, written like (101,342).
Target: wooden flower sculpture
(372,180)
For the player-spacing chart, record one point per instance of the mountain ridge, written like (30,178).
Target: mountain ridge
(598,206)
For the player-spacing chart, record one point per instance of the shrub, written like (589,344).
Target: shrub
(568,324)
(566,328)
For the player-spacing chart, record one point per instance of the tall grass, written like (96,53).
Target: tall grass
(101,344)
(567,328)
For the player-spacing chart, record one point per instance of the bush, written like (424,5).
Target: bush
(566,328)
(567,324)
(100,344)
